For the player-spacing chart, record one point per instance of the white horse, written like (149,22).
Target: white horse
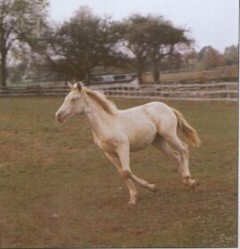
(119,132)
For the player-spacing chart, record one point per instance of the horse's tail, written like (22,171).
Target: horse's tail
(189,133)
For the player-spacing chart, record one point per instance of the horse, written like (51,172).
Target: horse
(118,132)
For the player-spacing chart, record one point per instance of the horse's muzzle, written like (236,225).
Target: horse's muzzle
(59,117)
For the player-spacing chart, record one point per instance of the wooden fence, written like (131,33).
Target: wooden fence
(226,91)
(200,92)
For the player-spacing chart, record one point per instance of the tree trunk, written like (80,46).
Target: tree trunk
(140,70)
(3,73)
(87,77)
(139,76)
(156,73)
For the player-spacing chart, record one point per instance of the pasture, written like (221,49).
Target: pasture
(57,189)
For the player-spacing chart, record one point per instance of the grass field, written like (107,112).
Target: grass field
(58,190)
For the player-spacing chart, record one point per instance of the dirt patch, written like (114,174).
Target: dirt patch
(8,133)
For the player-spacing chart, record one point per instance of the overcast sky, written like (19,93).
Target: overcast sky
(211,22)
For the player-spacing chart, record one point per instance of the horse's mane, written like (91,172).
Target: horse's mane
(102,100)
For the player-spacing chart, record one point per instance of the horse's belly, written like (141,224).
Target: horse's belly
(141,138)
(138,127)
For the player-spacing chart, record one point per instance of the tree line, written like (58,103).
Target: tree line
(33,47)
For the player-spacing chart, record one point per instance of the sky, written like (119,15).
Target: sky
(210,22)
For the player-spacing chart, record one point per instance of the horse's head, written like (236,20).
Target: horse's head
(73,102)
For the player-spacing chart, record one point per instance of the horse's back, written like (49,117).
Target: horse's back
(157,106)
(156,111)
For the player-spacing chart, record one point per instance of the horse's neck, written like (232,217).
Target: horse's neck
(96,117)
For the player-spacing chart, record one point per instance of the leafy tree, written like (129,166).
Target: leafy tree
(151,39)
(231,55)
(174,62)
(135,29)
(20,22)
(84,42)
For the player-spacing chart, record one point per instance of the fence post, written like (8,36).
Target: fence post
(227,91)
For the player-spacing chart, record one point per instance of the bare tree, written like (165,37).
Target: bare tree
(210,58)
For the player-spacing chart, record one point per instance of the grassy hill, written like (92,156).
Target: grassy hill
(226,73)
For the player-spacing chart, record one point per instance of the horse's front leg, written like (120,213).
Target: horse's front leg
(131,187)
(123,153)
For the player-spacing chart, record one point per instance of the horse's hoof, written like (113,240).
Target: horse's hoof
(132,203)
(189,182)
(194,184)
(133,200)
(153,188)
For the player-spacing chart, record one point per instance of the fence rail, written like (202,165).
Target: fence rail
(226,91)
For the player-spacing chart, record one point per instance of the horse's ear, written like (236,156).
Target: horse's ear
(79,86)
(70,85)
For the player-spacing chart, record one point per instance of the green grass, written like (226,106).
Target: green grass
(58,190)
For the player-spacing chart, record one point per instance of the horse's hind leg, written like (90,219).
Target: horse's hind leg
(131,187)
(144,183)
(182,157)
(163,145)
